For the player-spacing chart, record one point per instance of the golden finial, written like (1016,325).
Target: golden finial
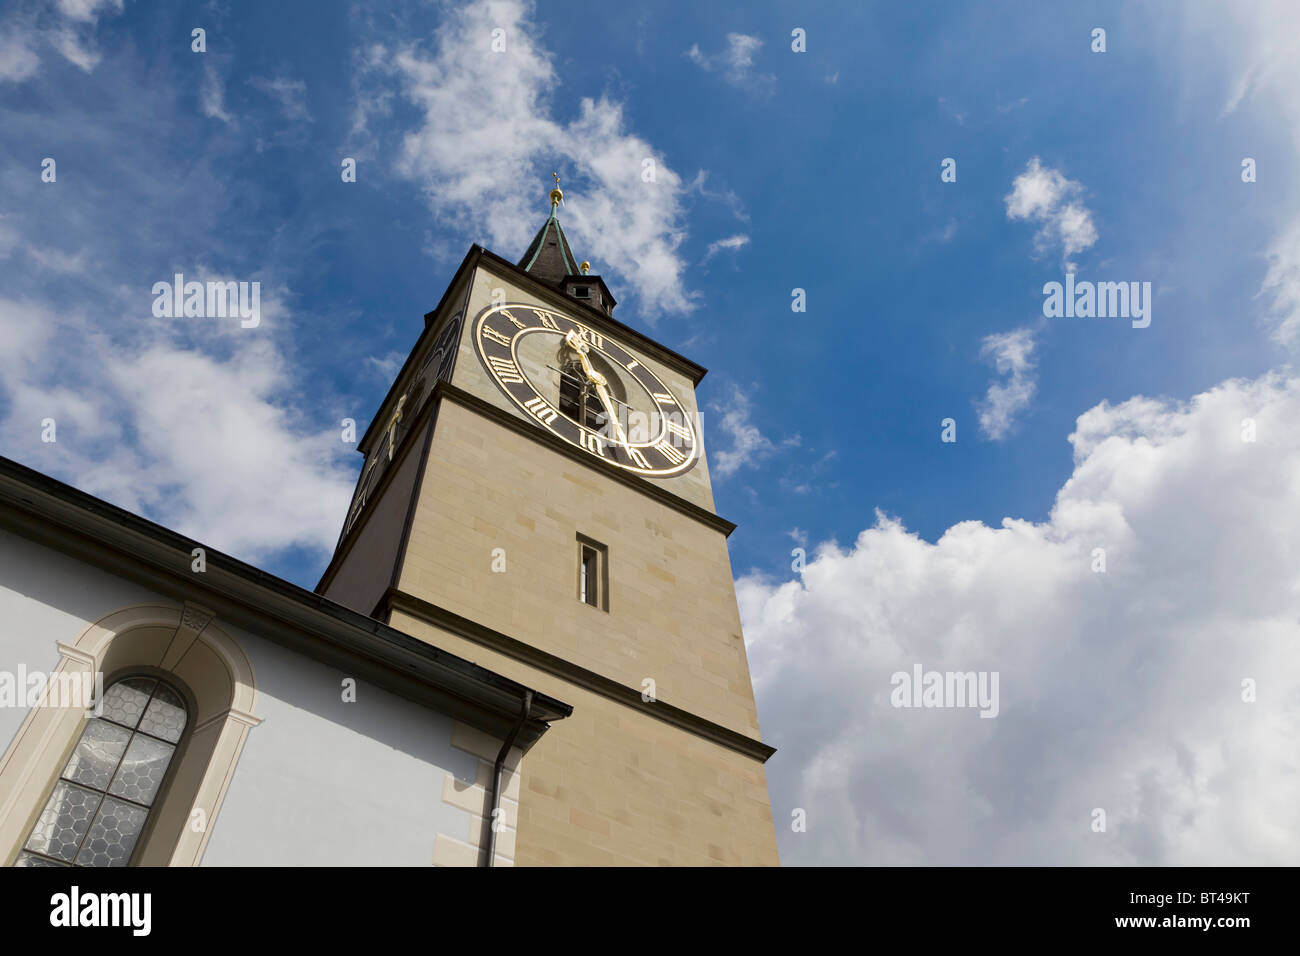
(556,196)
(585,267)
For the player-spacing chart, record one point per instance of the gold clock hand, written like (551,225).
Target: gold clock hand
(610,412)
(575,342)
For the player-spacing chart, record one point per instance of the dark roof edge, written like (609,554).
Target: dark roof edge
(576,674)
(53,513)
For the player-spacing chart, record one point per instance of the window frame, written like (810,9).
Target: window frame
(601,591)
(164,787)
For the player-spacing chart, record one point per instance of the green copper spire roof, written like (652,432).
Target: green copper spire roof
(549,257)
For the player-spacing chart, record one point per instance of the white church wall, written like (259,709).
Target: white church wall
(319,781)
(329,783)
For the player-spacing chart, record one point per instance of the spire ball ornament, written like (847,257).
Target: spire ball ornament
(557,197)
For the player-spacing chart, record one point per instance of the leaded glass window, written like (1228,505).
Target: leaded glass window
(100,804)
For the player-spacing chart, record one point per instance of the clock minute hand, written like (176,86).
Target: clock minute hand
(610,411)
(574,342)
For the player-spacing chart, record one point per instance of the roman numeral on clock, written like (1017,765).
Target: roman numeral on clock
(663,398)
(672,454)
(495,336)
(544,412)
(678,430)
(638,458)
(546,319)
(506,370)
(510,316)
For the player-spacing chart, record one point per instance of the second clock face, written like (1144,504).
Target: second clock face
(586,389)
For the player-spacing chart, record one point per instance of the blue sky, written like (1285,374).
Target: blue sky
(778,170)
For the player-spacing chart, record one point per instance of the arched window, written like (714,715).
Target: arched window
(103,797)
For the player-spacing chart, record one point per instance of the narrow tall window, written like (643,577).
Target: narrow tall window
(593,573)
(104,796)
(590,575)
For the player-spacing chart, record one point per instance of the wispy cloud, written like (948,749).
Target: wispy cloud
(290,94)
(735,63)
(69,28)
(186,421)
(18,57)
(212,94)
(731,242)
(747,445)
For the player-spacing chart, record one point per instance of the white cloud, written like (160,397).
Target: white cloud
(748,445)
(489,140)
(735,63)
(1118,690)
(168,431)
(731,242)
(1045,196)
(1012,354)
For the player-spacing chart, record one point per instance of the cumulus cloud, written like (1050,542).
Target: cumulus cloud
(1120,690)
(1012,354)
(747,445)
(489,139)
(735,63)
(1045,196)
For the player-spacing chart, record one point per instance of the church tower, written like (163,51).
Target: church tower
(535,498)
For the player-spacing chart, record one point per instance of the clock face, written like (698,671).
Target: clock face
(586,389)
(443,353)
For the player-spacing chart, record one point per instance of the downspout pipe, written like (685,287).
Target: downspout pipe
(496,777)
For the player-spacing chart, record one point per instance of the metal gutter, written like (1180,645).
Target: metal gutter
(496,779)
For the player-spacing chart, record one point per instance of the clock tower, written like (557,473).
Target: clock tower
(535,498)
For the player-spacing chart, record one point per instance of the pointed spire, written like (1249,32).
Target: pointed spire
(549,257)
